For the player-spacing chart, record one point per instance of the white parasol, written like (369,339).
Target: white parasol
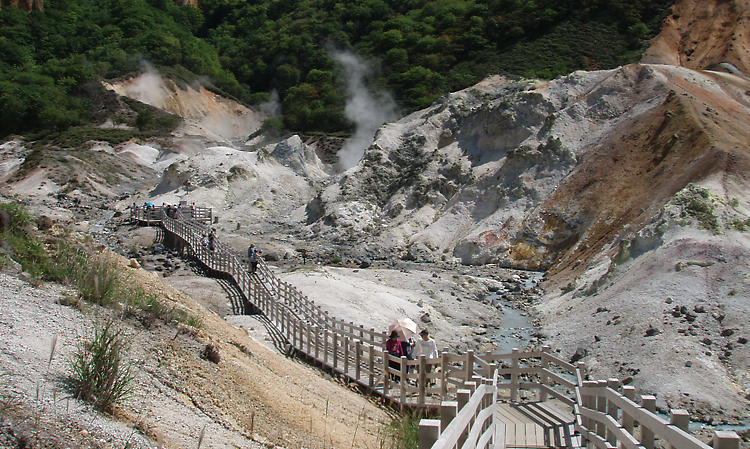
(405,328)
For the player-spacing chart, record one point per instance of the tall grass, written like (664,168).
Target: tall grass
(100,374)
(52,259)
(402,432)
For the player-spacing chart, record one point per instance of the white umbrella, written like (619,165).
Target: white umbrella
(405,328)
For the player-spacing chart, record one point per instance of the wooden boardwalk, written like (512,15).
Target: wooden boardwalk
(535,425)
(464,387)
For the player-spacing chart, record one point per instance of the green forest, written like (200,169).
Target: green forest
(51,61)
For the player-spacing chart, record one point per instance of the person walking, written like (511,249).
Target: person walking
(427,347)
(393,347)
(212,240)
(252,257)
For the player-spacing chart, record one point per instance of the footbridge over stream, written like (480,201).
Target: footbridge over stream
(527,399)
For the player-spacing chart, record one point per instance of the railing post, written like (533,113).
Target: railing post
(422,382)
(386,373)
(429,432)
(463,397)
(335,350)
(346,355)
(543,396)
(628,421)
(724,439)
(371,366)
(469,365)
(647,435)
(444,357)
(614,384)
(601,406)
(357,359)
(679,419)
(325,345)
(404,370)
(514,376)
(316,340)
(448,411)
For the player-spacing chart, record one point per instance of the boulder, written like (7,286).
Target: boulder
(271,257)
(43,223)
(6,222)
(211,353)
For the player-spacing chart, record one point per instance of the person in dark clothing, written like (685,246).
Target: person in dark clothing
(252,256)
(394,348)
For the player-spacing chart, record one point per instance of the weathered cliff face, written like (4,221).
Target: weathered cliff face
(205,114)
(535,175)
(630,187)
(704,33)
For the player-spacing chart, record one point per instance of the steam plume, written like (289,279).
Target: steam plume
(272,107)
(368,110)
(147,87)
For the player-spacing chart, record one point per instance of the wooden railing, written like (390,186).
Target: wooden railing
(605,417)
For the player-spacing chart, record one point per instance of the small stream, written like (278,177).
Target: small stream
(98,228)
(517,326)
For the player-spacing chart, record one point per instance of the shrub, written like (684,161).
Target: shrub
(99,372)
(403,432)
(98,283)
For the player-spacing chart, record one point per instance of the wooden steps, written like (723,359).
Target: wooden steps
(535,425)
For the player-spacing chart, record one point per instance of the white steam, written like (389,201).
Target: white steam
(366,108)
(272,107)
(147,87)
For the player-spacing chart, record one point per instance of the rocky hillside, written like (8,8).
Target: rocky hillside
(629,187)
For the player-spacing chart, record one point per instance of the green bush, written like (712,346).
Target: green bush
(100,373)
(99,282)
(402,432)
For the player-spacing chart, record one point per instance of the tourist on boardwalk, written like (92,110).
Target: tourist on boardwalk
(394,348)
(427,347)
(212,240)
(252,256)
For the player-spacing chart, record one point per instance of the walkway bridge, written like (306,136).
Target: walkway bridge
(527,399)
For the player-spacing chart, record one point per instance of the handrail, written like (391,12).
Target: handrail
(358,354)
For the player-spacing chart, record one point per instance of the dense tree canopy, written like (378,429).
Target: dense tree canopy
(420,49)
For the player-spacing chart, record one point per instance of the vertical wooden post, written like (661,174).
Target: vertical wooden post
(386,373)
(514,377)
(346,355)
(335,350)
(724,439)
(316,340)
(357,359)
(543,396)
(469,365)
(601,405)
(325,345)
(679,419)
(463,397)
(422,382)
(628,421)
(371,366)
(612,408)
(444,357)
(448,411)
(488,401)
(429,432)
(647,435)
(404,371)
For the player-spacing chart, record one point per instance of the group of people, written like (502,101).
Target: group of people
(209,240)
(410,348)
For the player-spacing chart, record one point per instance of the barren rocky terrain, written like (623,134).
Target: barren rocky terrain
(627,188)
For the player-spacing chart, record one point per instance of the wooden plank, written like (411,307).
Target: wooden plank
(499,432)
(510,425)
